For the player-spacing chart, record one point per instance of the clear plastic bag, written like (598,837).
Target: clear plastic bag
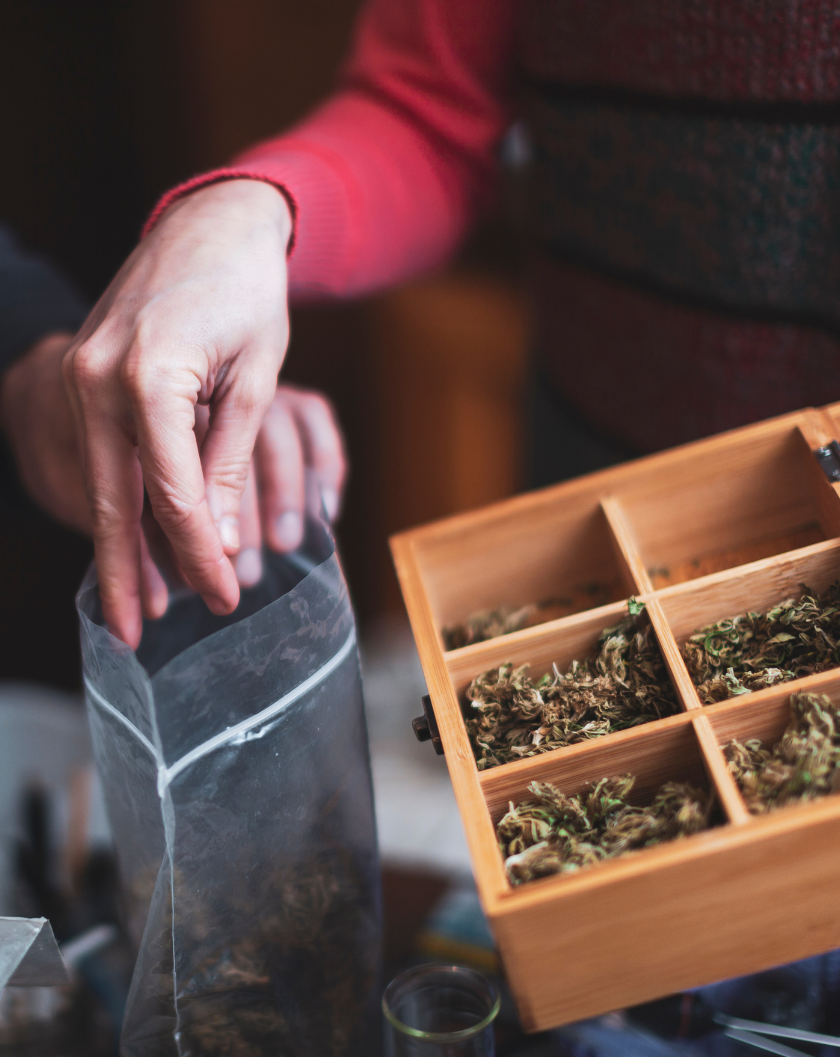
(233,754)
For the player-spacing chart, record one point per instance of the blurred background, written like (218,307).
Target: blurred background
(107,103)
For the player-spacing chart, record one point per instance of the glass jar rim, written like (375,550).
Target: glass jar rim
(443,1036)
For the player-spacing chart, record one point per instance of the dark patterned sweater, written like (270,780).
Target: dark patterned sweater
(686,200)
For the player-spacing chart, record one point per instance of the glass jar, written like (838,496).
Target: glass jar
(440,1011)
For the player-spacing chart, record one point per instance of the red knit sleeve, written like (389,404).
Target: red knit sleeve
(384,178)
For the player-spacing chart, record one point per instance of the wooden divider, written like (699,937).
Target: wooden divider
(627,549)
(719,774)
(557,642)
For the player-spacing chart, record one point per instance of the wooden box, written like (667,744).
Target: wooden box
(699,533)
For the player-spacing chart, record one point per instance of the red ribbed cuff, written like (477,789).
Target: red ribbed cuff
(217,176)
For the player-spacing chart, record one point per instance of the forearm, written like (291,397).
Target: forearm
(386,176)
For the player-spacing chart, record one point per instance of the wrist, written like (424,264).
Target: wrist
(236,200)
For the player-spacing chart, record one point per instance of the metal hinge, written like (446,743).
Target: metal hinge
(425,727)
(829,459)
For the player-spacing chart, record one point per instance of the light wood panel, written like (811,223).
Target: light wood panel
(479,830)
(813,433)
(765,714)
(673,658)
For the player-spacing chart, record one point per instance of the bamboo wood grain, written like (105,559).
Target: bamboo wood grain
(686,691)
(753,587)
(825,426)
(766,714)
(478,828)
(769,699)
(724,784)
(625,542)
(818,426)
(814,433)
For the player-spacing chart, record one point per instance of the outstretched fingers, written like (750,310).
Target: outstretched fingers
(279,469)
(248,562)
(322,442)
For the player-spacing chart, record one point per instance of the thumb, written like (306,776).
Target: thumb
(226,451)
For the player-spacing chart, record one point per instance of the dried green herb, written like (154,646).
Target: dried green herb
(555,833)
(797,637)
(626,683)
(489,623)
(803,765)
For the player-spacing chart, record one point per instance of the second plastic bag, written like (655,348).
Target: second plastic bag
(233,753)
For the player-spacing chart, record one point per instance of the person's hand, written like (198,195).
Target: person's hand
(37,419)
(196,318)
(298,431)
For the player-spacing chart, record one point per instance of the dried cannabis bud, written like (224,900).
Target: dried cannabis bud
(489,623)
(803,765)
(555,833)
(797,637)
(624,684)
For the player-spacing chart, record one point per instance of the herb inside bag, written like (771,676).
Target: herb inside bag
(510,716)
(803,765)
(797,637)
(554,833)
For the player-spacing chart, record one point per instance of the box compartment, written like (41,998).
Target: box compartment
(765,715)
(560,643)
(556,552)
(669,753)
(724,505)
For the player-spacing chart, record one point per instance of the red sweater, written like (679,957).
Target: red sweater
(684,200)
(385,177)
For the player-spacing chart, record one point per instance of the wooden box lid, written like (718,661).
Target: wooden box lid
(699,533)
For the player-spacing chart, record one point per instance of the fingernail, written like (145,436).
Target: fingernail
(289,530)
(217,605)
(229,532)
(330,497)
(249,567)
